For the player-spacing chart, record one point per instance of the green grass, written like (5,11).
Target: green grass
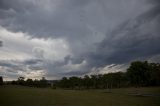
(26,96)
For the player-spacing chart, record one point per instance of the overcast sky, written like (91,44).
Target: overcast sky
(56,38)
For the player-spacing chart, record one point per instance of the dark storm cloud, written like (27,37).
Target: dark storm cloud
(30,16)
(1,43)
(100,32)
(60,18)
(6,64)
(32,61)
(134,39)
(14,66)
(11,66)
(157,2)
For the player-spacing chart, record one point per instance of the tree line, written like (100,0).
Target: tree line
(31,83)
(139,74)
(1,80)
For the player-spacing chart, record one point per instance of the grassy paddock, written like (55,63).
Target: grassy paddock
(26,96)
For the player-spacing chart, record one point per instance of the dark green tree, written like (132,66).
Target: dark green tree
(21,81)
(139,73)
(29,82)
(87,82)
(43,82)
(155,74)
(64,83)
(74,82)
(1,80)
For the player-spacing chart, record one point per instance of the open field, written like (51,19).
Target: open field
(26,96)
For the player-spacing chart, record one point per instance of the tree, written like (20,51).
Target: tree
(94,81)
(1,80)
(29,82)
(74,82)
(139,73)
(64,83)
(43,82)
(155,74)
(86,81)
(21,81)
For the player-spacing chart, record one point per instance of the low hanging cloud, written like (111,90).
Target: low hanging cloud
(58,38)
(22,55)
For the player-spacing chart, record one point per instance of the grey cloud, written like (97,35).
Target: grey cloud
(26,65)
(32,61)
(101,32)
(1,43)
(36,67)
(156,2)
(155,59)
(6,64)
(11,66)
(133,39)
(69,19)
(75,73)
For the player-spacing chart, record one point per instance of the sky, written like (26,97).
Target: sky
(56,38)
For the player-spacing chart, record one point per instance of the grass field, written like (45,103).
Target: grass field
(26,96)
